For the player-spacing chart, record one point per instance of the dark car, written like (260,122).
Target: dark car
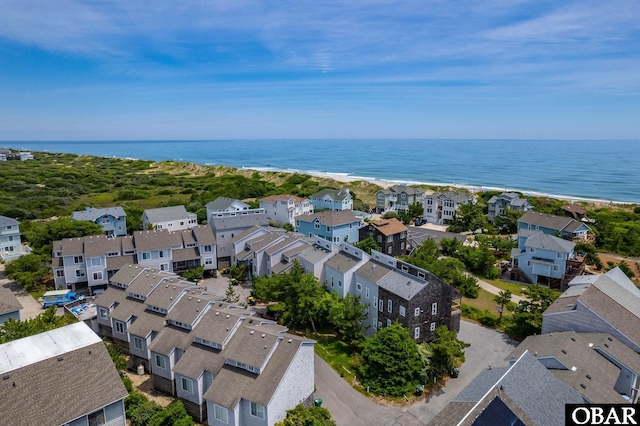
(420,221)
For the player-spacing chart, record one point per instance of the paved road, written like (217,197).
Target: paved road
(30,306)
(350,408)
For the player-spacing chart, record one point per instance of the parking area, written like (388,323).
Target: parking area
(417,234)
(219,286)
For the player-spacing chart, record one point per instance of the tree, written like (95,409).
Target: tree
(367,245)
(42,235)
(507,221)
(468,217)
(503,298)
(416,210)
(28,270)
(193,274)
(467,285)
(48,320)
(450,246)
(390,362)
(230,294)
(174,415)
(390,215)
(446,351)
(527,314)
(307,416)
(347,315)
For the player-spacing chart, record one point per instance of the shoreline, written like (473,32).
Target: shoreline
(386,183)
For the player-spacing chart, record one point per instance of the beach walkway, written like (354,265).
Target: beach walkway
(495,290)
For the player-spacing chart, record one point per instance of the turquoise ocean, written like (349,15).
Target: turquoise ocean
(598,170)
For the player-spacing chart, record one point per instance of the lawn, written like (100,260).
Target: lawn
(484,301)
(336,353)
(503,285)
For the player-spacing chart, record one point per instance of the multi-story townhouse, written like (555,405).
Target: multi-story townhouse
(174,218)
(334,226)
(398,197)
(545,259)
(561,226)
(112,219)
(439,208)
(313,258)
(498,204)
(340,267)
(284,208)
(58,357)
(229,207)
(10,242)
(332,199)
(389,234)
(225,229)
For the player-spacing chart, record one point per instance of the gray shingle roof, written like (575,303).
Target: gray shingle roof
(335,194)
(549,242)
(197,359)
(313,254)
(91,214)
(402,284)
(166,294)
(330,218)
(144,283)
(7,221)
(190,306)
(169,339)
(239,222)
(127,273)
(217,324)
(373,271)
(342,262)
(157,239)
(61,385)
(204,235)
(8,302)
(182,255)
(221,204)
(166,214)
(559,223)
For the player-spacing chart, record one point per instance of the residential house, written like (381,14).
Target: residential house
(332,199)
(24,156)
(174,218)
(9,305)
(611,304)
(313,258)
(597,365)
(334,226)
(439,208)
(498,204)
(403,293)
(398,197)
(525,393)
(544,259)
(575,211)
(60,377)
(223,363)
(284,208)
(112,219)
(389,234)
(226,228)
(10,241)
(89,262)
(229,207)
(339,269)
(560,226)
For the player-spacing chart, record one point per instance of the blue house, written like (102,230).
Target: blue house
(332,199)
(559,226)
(546,259)
(334,226)
(112,219)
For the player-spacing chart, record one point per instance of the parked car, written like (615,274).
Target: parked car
(420,221)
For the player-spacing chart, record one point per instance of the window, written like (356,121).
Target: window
(96,418)
(556,268)
(381,306)
(375,301)
(390,239)
(359,286)
(339,283)
(161,362)
(220,413)
(97,276)
(328,229)
(78,259)
(297,223)
(137,342)
(164,266)
(207,248)
(388,322)
(389,249)
(161,253)
(187,385)
(146,256)
(375,325)
(257,410)
(434,308)
(559,255)
(208,261)
(103,313)
(433,326)
(389,305)
(332,281)
(60,273)
(416,333)
(79,273)
(379,324)
(532,250)
(379,238)
(366,292)
(528,263)
(402,311)
(119,326)
(402,246)
(416,312)
(317,225)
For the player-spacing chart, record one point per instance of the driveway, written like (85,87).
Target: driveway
(350,408)
(30,306)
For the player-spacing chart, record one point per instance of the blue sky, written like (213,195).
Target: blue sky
(242,69)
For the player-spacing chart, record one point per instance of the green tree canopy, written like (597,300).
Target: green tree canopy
(28,270)
(390,362)
(468,217)
(48,320)
(444,353)
(307,416)
(367,245)
(41,235)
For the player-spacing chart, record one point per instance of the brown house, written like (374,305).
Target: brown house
(389,234)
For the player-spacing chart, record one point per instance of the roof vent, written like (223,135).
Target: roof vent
(189,297)
(569,305)
(610,339)
(290,340)
(564,352)
(166,286)
(5,377)
(217,313)
(199,300)
(265,346)
(574,368)
(588,377)
(583,386)
(228,316)
(60,358)
(590,345)
(251,332)
(573,339)
(263,335)
(606,345)
(147,275)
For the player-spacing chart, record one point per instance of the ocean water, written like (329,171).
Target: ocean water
(600,170)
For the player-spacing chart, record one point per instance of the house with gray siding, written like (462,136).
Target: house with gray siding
(9,305)
(611,304)
(398,197)
(313,258)
(332,199)
(10,240)
(561,226)
(174,218)
(389,234)
(112,219)
(334,226)
(597,365)
(339,270)
(499,204)
(225,230)
(96,399)
(524,393)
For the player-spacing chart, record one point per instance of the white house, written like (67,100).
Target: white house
(10,242)
(284,208)
(498,204)
(332,199)
(439,208)
(174,218)
(228,207)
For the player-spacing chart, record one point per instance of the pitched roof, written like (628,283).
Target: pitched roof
(100,245)
(342,262)
(388,226)
(222,203)
(166,214)
(170,338)
(54,374)
(166,294)
(314,254)
(190,306)
(457,196)
(239,222)
(197,359)
(91,214)
(544,241)
(217,324)
(330,218)
(373,271)
(550,221)
(402,284)
(156,239)
(8,302)
(335,194)
(203,235)
(282,197)
(7,221)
